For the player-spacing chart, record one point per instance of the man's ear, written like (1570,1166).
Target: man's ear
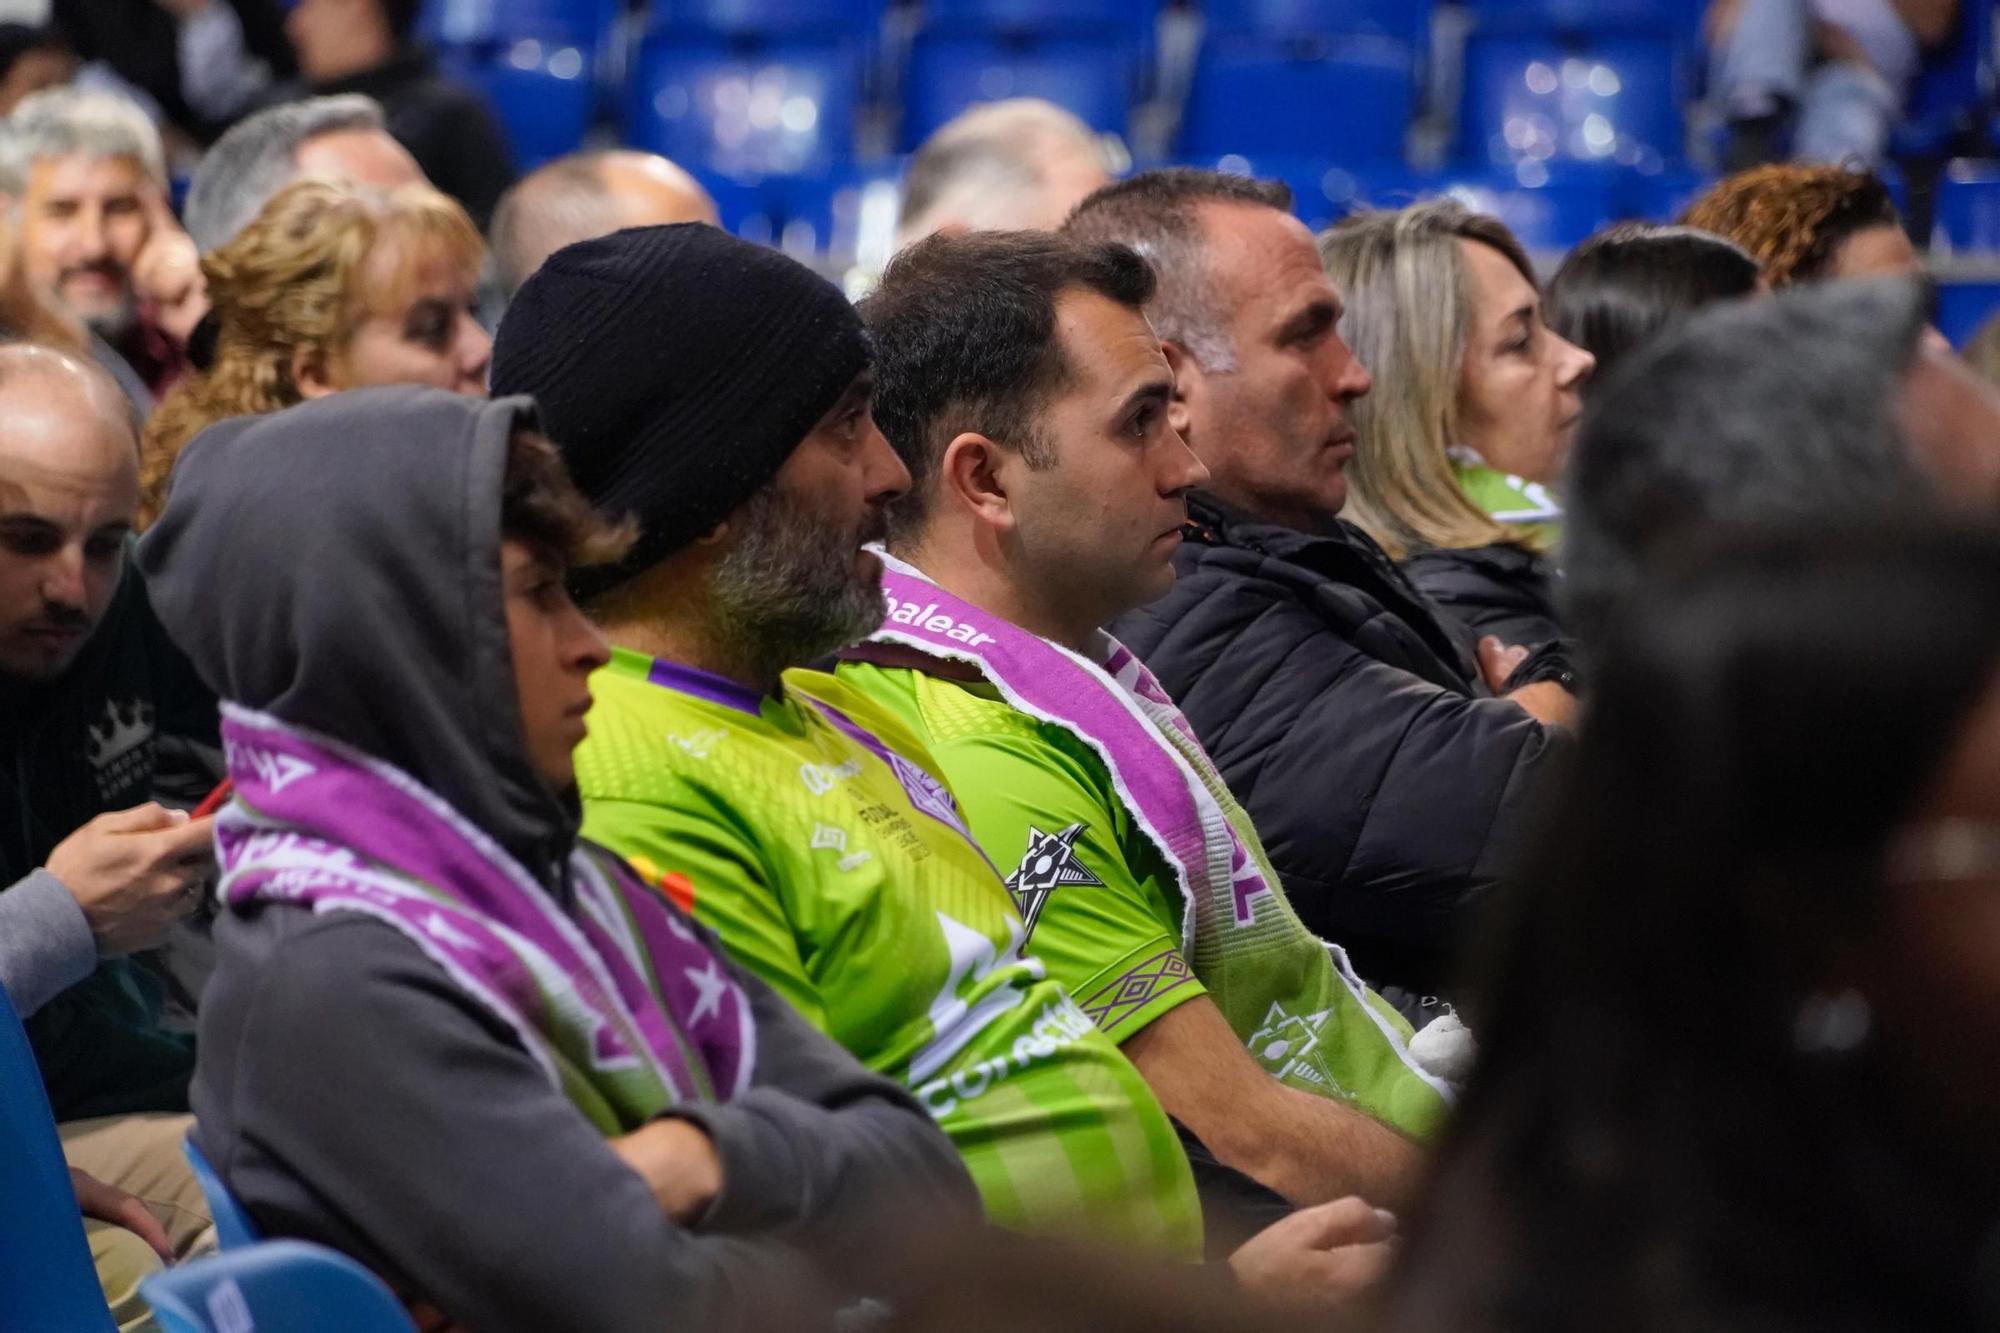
(310,374)
(971,477)
(1190,391)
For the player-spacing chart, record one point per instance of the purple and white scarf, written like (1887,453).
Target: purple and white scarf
(619,1001)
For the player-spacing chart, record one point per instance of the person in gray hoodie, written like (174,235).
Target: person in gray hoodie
(444,1035)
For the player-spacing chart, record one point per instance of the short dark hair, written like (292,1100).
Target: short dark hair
(541,506)
(964,329)
(1158,214)
(1634,280)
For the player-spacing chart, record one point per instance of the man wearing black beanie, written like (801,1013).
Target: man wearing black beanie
(716,393)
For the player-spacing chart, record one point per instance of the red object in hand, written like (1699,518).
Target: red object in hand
(213,801)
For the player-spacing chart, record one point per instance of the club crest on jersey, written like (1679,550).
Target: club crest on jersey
(1050,863)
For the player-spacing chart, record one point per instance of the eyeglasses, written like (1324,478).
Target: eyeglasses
(1946,850)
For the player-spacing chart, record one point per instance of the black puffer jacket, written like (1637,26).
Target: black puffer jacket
(1504,590)
(1348,717)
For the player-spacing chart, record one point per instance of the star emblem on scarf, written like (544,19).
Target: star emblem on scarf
(710,986)
(1050,863)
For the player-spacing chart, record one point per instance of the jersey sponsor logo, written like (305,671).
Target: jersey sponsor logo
(823,778)
(1050,863)
(1060,1025)
(827,838)
(929,619)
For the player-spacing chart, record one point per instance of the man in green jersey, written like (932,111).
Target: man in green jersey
(1019,380)
(810,829)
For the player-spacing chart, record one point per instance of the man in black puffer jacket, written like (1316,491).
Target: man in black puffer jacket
(1357,724)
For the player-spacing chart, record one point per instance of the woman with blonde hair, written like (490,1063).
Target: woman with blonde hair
(1474,402)
(331,287)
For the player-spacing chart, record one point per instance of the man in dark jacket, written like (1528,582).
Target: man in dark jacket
(1357,724)
(98,713)
(366,46)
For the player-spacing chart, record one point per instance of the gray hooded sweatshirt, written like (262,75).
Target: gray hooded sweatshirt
(337,565)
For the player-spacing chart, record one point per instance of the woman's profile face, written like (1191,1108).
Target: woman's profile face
(428,336)
(1519,384)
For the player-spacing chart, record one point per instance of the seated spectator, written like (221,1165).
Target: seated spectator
(200,63)
(1001,165)
(1826,78)
(1633,281)
(1822,405)
(1018,380)
(89,179)
(1382,773)
(802,822)
(1809,224)
(366,46)
(1788,789)
(331,287)
(1459,444)
(31,59)
(340,139)
(585,195)
(99,714)
(427,1043)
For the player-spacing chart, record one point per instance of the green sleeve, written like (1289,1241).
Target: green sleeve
(1106,929)
(715,873)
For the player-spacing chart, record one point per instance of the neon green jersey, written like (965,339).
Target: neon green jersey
(1107,916)
(815,840)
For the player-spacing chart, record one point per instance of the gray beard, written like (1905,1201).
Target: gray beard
(786,593)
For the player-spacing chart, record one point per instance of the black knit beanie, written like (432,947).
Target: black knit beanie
(676,368)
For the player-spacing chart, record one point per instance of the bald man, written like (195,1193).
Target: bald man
(586,195)
(98,714)
(1017,165)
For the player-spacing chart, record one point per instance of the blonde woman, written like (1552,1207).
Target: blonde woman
(331,287)
(1475,399)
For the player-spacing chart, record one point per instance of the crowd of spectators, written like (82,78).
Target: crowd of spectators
(1157,770)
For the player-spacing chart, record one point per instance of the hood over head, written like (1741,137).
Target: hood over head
(337,565)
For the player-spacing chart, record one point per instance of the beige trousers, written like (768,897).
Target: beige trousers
(140,1154)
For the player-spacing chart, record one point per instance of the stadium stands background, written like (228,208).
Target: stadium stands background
(1557,115)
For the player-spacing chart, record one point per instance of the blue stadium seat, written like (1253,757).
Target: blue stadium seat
(1544,99)
(1965,304)
(46,1277)
(488,23)
(233,1227)
(745,107)
(1968,209)
(1323,192)
(543,93)
(1091,75)
(1134,18)
(1405,20)
(1548,212)
(770,18)
(848,214)
(1349,97)
(283,1286)
(1677,18)
(1954,91)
